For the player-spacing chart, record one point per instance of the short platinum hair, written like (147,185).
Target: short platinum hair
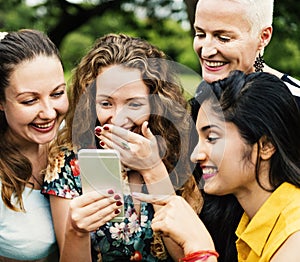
(259,12)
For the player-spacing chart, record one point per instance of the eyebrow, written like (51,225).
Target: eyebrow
(205,128)
(129,99)
(30,92)
(197,28)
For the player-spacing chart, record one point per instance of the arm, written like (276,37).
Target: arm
(75,219)
(177,220)
(289,251)
(79,245)
(142,155)
(162,186)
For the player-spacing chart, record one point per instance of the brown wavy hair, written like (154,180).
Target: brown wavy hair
(169,118)
(15,168)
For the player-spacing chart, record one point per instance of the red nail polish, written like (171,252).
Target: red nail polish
(102,143)
(97,130)
(106,128)
(110,191)
(117,197)
(119,203)
(117,211)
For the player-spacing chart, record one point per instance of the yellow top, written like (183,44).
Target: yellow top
(275,221)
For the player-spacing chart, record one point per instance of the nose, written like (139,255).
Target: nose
(205,47)
(199,154)
(47,110)
(119,116)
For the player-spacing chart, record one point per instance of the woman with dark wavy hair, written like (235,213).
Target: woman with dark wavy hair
(124,91)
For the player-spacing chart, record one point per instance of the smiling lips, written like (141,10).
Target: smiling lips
(44,127)
(209,171)
(214,63)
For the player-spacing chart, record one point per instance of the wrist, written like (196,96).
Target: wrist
(200,255)
(158,181)
(156,171)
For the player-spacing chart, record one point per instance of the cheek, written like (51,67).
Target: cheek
(196,45)
(19,113)
(220,152)
(139,120)
(64,106)
(140,116)
(19,117)
(246,57)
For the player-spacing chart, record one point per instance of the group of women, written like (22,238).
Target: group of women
(125,95)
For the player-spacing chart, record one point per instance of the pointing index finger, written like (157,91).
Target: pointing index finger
(161,200)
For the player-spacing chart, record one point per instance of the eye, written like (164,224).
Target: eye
(199,34)
(224,39)
(212,137)
(135,104)
(104,104)
(29,101)
(58,94)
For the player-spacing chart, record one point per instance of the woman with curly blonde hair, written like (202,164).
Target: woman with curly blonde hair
(124,93)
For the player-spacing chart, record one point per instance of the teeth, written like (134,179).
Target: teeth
(209,170)
(43,126)
(215,64)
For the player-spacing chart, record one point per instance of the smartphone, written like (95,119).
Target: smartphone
(100,170)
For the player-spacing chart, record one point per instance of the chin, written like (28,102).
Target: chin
(211,189)
(211,77)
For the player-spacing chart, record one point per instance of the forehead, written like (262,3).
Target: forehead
(222,15)
(115,79)
(207,116)
(37,75)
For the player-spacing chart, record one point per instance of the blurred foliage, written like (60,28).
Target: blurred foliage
(165,23)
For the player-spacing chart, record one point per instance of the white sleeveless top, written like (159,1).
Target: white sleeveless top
(30,235)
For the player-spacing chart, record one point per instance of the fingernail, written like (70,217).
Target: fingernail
(117,197)
(117,211)
(97,130)
(119,203)
(106,128)
(110,191)
(102,143)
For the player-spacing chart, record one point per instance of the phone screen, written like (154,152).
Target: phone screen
(100,170)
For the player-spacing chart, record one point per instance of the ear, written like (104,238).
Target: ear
(266,148)
(1,107)
(265,37)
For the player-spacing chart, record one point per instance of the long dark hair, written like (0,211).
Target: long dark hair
(259,104)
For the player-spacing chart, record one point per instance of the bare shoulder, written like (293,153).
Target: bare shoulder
(289,251)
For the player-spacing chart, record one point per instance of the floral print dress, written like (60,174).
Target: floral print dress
(129,240)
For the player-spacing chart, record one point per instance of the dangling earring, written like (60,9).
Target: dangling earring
(259,63)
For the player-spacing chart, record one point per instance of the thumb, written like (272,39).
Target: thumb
(146,131)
